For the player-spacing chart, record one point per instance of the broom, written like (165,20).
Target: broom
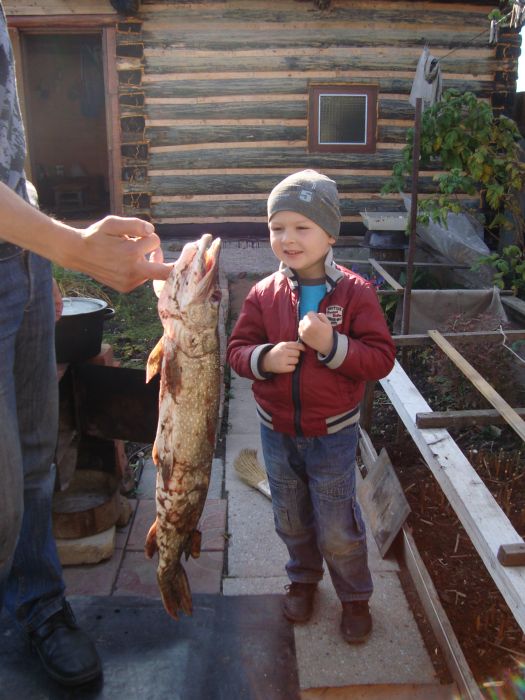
(251,471)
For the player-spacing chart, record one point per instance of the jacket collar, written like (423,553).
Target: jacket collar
(332,272)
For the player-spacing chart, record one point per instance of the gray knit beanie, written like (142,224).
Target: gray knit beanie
(309,193)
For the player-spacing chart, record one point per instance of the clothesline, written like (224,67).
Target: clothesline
(491,31)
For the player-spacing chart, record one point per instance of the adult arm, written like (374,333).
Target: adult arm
(111,251)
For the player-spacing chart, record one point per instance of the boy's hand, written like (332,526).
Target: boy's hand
(315,330)
(282,358)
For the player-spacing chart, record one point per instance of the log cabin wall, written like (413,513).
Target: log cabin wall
(213,97)
(226,96)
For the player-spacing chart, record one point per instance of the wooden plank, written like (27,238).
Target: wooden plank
(383,500)
(437,617)
(112,120)
(462,419)
(481,384)
(388,278)
(471,336)
(485,523)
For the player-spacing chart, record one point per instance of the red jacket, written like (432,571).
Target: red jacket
(322,395)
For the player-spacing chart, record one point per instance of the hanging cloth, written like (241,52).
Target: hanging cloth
(427,82)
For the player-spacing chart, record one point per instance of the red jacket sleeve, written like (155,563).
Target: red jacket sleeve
(248,337)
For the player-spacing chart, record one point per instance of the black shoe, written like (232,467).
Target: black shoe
(298,603)
(67,653)
(356,621)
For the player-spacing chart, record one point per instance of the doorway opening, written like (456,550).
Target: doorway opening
(66,123)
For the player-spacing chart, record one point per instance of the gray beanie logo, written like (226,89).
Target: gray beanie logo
(309,193)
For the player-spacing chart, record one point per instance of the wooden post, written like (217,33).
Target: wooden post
(413,216)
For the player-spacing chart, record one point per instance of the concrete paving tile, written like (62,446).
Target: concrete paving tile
(395,652)
(242,415)
(137,576)
(216,479)
(205,573)
(213,525)
(95,579)
(123,533)
(145,515)
(254,586)
(148,480)
(390,691)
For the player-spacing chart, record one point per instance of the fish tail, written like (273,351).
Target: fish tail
(151,541)
(175,591)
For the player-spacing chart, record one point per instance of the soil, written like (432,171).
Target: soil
(490,638)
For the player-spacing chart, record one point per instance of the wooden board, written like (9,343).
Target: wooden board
(382,498)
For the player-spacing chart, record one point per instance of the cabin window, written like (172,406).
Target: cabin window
(342,118)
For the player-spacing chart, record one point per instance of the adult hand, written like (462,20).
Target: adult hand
(115,250)
(315,330)
(282,358)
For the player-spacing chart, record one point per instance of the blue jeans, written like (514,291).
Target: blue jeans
(312,481)
(31,585)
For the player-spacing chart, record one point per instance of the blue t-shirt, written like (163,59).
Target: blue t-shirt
(310,295)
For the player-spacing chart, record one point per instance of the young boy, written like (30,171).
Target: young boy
(310,336)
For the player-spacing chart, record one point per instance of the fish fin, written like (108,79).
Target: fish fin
(175,591)
(151,541)
(192,547)
(155,360)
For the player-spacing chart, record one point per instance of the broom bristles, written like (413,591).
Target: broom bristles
(249,468)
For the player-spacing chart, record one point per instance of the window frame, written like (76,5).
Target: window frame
(314,93)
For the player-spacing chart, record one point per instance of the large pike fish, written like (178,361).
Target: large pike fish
(187,357)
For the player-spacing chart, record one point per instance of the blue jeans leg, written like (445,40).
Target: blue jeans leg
(31,585)
(315,508)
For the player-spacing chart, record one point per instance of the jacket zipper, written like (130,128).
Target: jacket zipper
(296,397)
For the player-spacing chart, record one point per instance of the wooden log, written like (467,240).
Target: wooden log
(289,158)
(363,58)
(481,384)
(252,182)
(160,86)
(223,206)
(469,14)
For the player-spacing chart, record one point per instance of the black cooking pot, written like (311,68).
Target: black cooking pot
(78,333)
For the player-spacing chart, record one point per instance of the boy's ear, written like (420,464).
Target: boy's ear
(331,240)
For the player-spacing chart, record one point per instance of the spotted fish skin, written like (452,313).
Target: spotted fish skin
(187,357)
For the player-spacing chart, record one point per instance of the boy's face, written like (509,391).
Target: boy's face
(299,243)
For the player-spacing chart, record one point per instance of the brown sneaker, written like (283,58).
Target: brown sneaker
(298,603)
(356,621)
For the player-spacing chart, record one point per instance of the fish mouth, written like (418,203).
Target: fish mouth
(208,253)
(197,268)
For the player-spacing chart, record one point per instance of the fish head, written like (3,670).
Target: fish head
(191,295)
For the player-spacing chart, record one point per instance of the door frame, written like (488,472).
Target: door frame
(105,26)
